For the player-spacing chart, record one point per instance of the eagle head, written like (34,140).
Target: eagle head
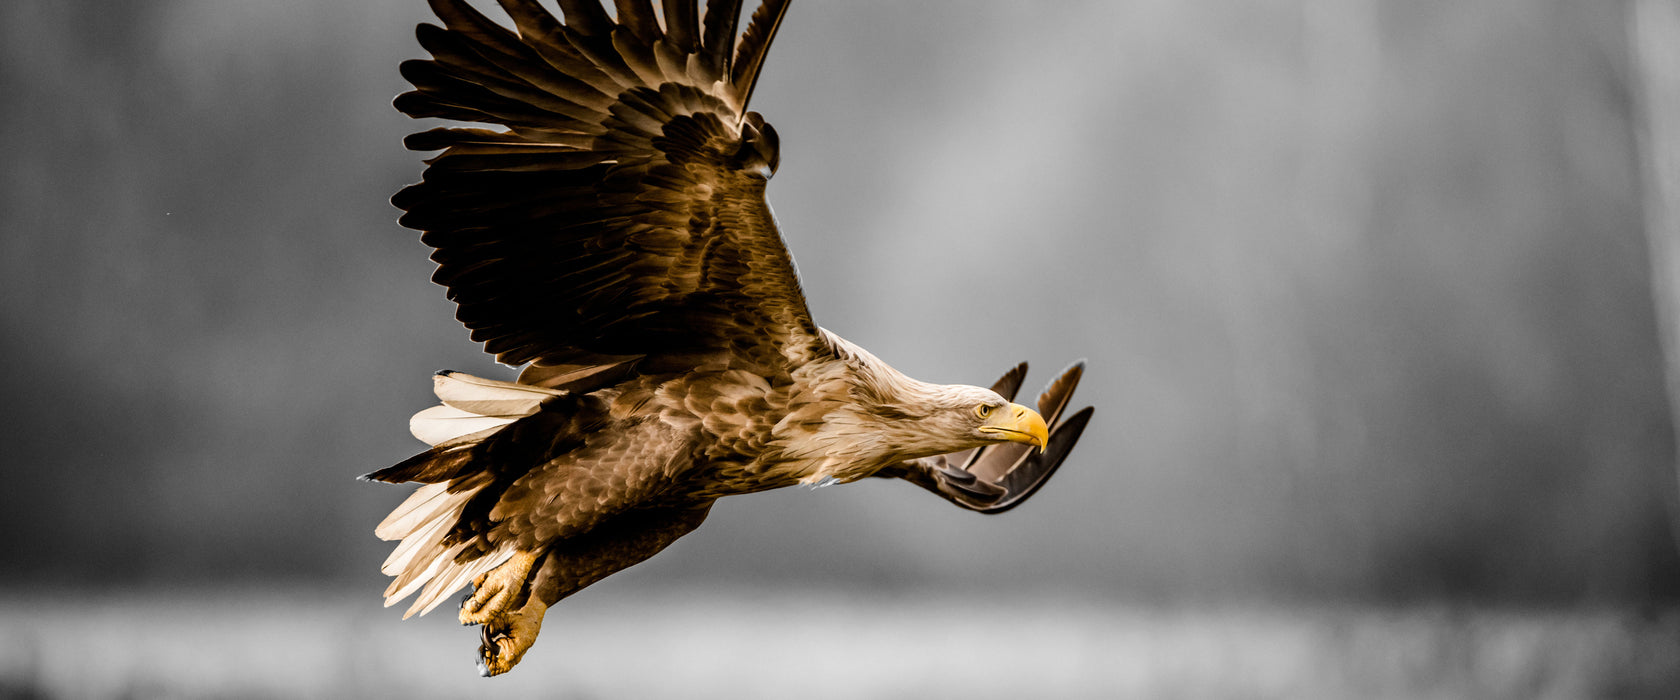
(928,419)
(886,417)
(912,418)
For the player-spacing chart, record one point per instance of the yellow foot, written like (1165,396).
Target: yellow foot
(495,591)
(507,637)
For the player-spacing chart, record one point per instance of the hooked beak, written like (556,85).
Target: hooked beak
(1017,423)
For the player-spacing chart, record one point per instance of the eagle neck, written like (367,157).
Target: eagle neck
(847,421)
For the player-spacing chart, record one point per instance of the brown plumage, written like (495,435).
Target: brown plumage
(613,237)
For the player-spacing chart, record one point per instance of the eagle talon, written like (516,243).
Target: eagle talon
(495,593)
(504,640)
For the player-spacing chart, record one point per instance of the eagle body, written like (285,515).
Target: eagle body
(613,237)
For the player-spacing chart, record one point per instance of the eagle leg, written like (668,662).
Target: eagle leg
(507,637)
(495,591)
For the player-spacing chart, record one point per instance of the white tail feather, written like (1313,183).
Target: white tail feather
(440,424)
(426,538)
(421,559)
(473,409)
(489,397)
(415,510)
(453,576)
(411,581)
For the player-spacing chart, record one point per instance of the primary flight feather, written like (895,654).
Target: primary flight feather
(612,235)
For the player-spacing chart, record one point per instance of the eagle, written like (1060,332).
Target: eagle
(609,232)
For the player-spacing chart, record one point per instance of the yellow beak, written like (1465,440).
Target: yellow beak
(1017,423)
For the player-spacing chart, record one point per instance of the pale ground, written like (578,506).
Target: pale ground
(731,643)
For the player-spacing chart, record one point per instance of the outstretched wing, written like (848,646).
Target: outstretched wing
(996,478)
(618,217)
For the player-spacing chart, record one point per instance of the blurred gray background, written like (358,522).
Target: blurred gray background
(1363,286)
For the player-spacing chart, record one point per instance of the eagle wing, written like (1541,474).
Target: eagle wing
(997,478)
(618,219)
(615,224)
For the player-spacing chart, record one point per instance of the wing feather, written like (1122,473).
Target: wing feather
(544,34)
(637,17)
(620,210)
(682,26)
(755,45)
(718,38)
(585,16)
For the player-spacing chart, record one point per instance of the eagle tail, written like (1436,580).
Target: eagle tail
(428,559)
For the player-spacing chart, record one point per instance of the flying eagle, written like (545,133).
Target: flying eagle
(613,237)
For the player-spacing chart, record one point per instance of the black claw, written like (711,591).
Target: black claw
(484,650)
(466,598)
(487,650)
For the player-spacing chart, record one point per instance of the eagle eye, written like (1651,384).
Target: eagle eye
(984,410)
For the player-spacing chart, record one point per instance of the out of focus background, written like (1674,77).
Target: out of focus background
(1365,288)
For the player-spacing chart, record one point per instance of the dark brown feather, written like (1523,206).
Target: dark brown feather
(717,42)
(682,27)
(541,31)
(615,545)
(637,16)
(755,45)
(587,17)
(432,466)
(478,30)
(1055,397)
